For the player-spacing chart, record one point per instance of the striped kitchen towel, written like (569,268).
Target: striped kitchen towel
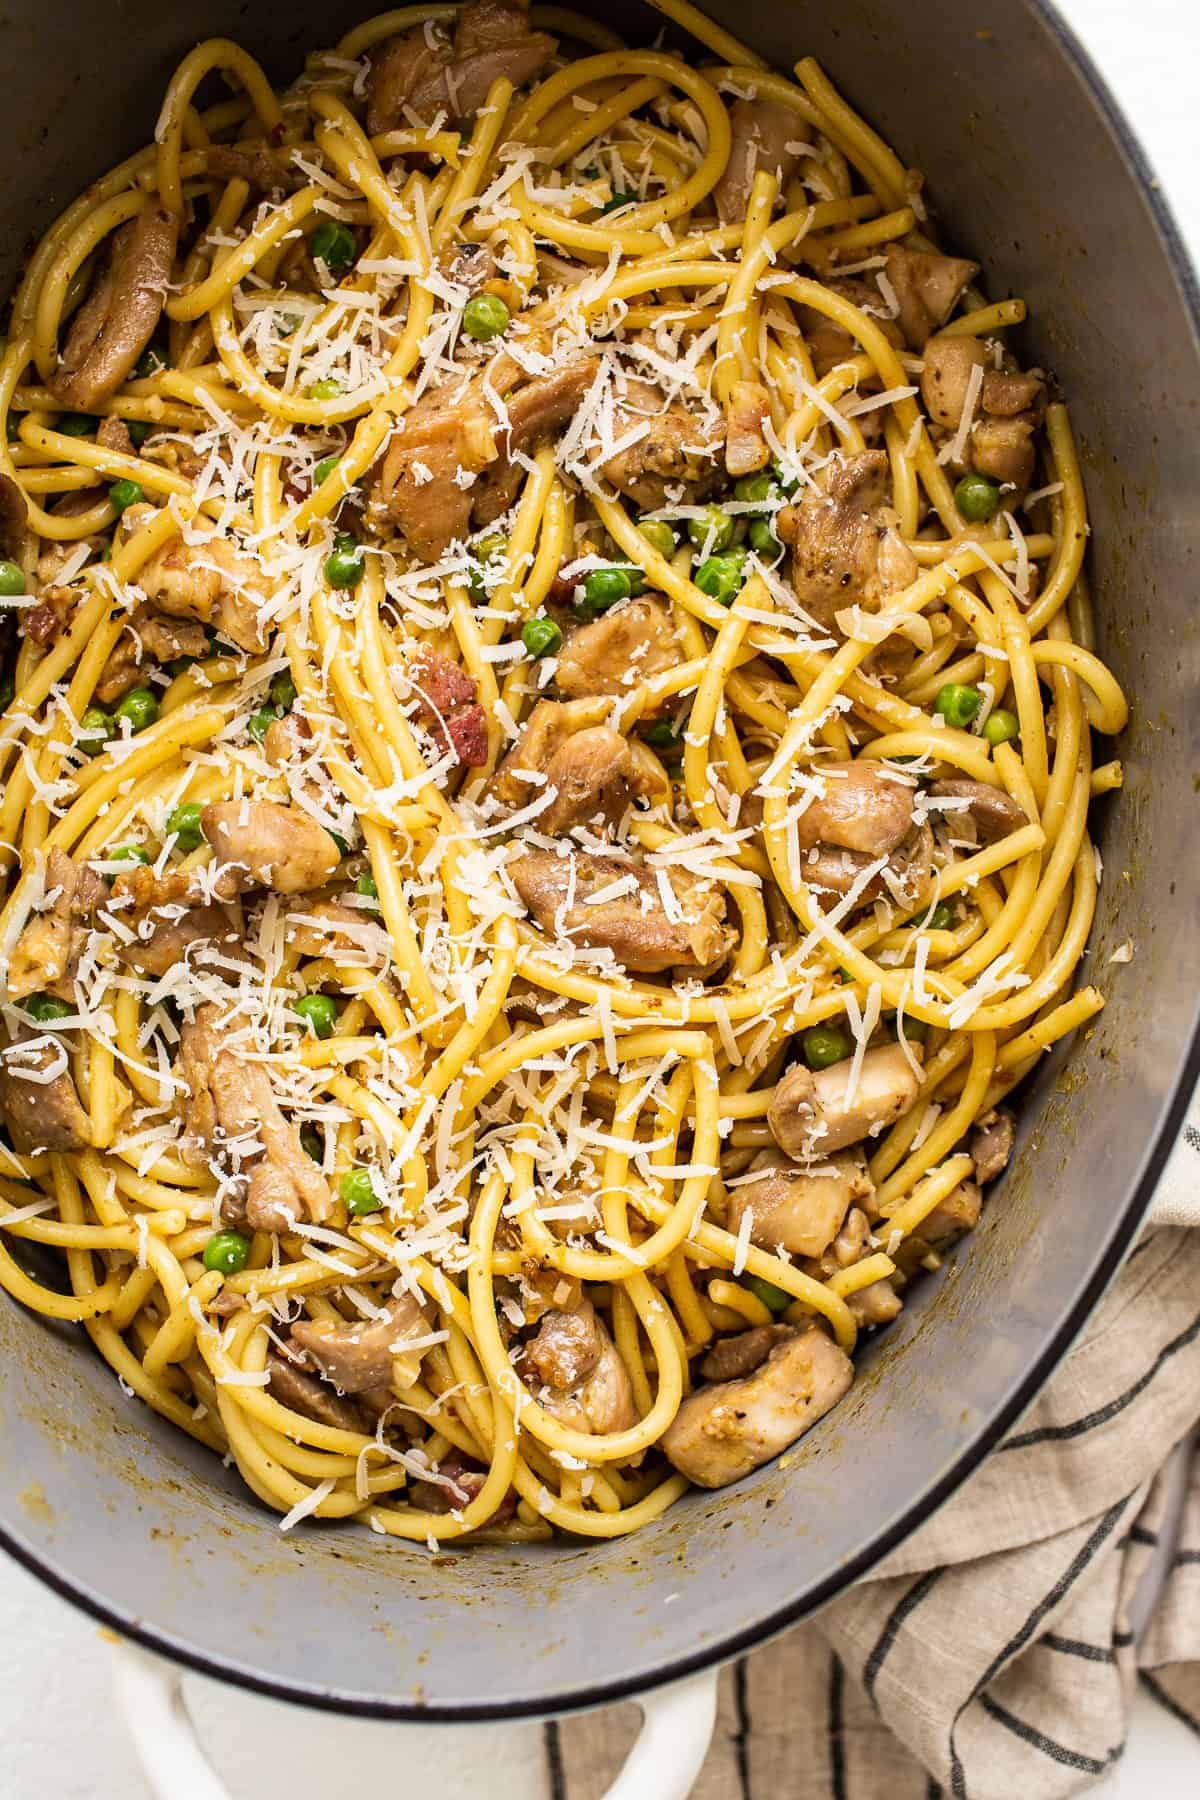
(996,1652)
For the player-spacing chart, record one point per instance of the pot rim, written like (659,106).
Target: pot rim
(1120,1238)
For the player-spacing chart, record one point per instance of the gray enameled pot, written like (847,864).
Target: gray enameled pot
(1030,169)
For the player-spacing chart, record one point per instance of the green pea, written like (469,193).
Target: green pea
(12,579)
(126,493)
(77,424)
(95,730)
(753,487)
(621,197)
(603,588)
(319,1011)
(139,708)
(1001,727)
(915,1030)
(343,848)
(940,919)
(139,431)
(357,1190)
(485,317)
(490,547)
(12,429)
(283,690)
(763,539)
(712,530)
(226,1252)
(149,363)
(334,243)
(325,468)
(45,1008)
(367,886)
(312,1142)
(787,483)
(775,1299)
(721,577)
(957,704)
(132,853)
(345,563)
(825,1045)
(541,637)
(977,498)
(260,723)
(328,388)
(658,535)
(183,824)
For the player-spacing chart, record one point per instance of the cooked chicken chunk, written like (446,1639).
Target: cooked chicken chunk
(992,1143)
(460,1485)
(995,813)
(762,131)
(261,168)
(214,583)
(622,648)
(946,377)
(863,808)
(293,1386)
(588,776)
(928,286)
(232,1116)
(117,320)
(732,1357)
(720,1433)
(793,1209)
(846,545)
(584,1382)
(46,955)
(814,1115)
(459,430)
(828,344)
(14,518)
(1003,450)
(634,923)
(448,706)
(953,1217)
(40,1114)
(876,1304)
(278,847)
(169,915)
(149,638)
(676,449)
(426,72)
(359,1356)
(746,447)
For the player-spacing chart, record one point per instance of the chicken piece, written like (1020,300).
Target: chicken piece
(460,1485)
(536,411)
(425,71)
(359,1355)
(633,923)
(331,928)
(811,1116)
(625,646)
(721,1433)
(947,374)
(1007,393)
(762,130)
(170,915)
(845,543)
(113,434)
(863,807)
(906,877)
(448,706)
(851,1243)
(43,624)
(279,847)
(14,519)
(992,1143)
(574,1358)
(876,1304)
(1003,450)
(40,1113)
(231,1114)
(794,1210)
(306,1394)
(117,320)
(149,636)
(54,555)
(994,812)
(45,957)
(952,1217)
(214,582)
(286,738)
(828,344)
(678,450)
(928,286)
(746,447)
(589,778)
(733,1357)
(262,169)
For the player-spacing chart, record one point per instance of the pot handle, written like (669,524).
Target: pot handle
(663,1764)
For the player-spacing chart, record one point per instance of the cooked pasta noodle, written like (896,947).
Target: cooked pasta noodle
(548,746)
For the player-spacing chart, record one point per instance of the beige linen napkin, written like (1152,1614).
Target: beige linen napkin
(994,1655)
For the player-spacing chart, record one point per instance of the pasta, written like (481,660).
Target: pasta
(547,750)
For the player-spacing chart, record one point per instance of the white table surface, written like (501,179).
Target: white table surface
(59,1738)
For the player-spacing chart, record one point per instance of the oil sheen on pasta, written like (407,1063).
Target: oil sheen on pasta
(547,753)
